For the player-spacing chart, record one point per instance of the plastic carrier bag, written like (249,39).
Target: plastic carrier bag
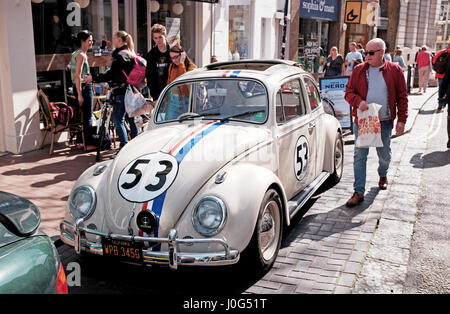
(369,127)
(135,103)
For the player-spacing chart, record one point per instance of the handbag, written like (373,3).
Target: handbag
(135,103)
(369,127)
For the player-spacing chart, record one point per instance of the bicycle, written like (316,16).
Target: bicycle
(328,104)
(104,124)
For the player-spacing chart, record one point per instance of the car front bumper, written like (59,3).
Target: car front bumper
(74,235)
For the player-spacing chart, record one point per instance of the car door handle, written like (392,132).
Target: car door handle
(311,126)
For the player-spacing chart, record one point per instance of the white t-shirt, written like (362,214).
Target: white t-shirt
(353,55)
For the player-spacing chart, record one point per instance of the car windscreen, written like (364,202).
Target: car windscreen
(218,99)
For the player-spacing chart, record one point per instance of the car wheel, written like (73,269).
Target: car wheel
(338,160)
(265,243)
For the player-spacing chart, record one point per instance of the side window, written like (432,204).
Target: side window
(312,93)
(279,109)
(293,105)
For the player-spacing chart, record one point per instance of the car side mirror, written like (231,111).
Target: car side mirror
(18,214)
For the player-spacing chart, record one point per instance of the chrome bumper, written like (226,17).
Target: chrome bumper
(172,258)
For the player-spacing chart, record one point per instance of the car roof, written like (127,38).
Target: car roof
(260,69)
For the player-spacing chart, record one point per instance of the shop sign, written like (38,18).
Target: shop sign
(333,88)
(320,9)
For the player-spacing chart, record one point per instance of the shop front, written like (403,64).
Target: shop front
(313,40)
(42,32)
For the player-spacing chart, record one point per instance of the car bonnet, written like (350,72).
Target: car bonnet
(196,150)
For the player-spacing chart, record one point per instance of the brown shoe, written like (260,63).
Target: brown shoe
(355,199)
(383,183)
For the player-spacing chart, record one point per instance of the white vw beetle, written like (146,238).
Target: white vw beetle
(233,151)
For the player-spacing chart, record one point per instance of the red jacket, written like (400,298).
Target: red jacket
(357,88)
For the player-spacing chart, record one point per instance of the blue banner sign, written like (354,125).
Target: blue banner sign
(332,89)
(327,10)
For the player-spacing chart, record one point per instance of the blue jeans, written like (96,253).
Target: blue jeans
(441,101)
(119,118)
(360,157)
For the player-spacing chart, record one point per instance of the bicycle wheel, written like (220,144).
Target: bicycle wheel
(328,106)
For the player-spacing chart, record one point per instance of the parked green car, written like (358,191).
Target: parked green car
(29,261)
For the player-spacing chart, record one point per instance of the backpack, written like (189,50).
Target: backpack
(440,65)
(62,114)
(137,74)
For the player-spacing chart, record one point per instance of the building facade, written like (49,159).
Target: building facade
(40,38)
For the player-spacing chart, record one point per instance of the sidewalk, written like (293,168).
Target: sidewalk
(332,249)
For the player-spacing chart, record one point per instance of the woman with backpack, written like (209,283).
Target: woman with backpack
(117,76)
(82,87)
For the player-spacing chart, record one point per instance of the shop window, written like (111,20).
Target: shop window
(239,30)
(57,23)
(179,18)
(313,44)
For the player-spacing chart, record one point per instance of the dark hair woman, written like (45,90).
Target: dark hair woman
(181,63)
(82,86)
(123,61)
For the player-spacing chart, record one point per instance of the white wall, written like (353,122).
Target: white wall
(19,109)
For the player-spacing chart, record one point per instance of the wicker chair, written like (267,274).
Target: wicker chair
(54,127)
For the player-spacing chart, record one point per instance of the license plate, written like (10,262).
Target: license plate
(122,250)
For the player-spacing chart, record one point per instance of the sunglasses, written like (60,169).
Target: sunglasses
(176,57)
(372,52)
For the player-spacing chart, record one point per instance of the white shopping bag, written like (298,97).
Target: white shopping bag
(135,103)
(369,127)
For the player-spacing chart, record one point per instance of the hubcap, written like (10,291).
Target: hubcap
(269,230)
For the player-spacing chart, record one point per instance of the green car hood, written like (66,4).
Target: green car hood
(19,216)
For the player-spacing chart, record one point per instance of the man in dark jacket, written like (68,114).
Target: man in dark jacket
(444,90)
(158,61)
(382,82)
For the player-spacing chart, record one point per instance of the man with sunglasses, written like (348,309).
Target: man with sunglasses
(376,81)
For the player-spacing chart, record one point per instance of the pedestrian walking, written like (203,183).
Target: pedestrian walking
(444,93)
(82,87)
(440,77)
(376,81)
(123,61)
(181,63)
(352,58)
(398,59)
(158,61)
(334,65)
(424,65)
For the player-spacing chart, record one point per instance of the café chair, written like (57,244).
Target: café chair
(53,126)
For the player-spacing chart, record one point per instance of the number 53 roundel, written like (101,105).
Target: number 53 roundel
(147,177)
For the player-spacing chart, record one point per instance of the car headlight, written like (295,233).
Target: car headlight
(82,202)
(209,216)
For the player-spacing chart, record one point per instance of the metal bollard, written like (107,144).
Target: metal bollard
(408,79)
